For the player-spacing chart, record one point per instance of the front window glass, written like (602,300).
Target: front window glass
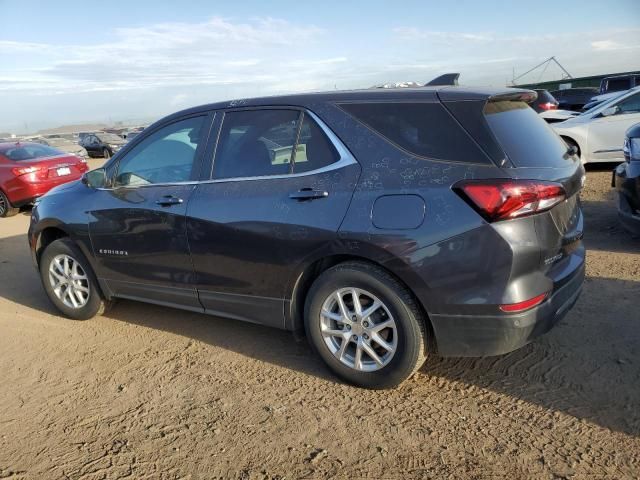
(166,156)
(630,104)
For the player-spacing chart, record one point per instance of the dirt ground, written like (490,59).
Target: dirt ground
(150,392)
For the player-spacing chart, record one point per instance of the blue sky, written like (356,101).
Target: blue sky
(75,61)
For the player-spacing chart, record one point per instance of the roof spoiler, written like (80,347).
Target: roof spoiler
(446,79)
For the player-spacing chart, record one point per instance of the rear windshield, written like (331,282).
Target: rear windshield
(423,129)
(525,138)
(545,97)
(30,152)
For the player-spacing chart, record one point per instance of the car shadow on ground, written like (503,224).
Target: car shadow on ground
(603,231)
(588,366)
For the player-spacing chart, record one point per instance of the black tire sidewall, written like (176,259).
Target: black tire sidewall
(95,303)
(9,210)
(410,337)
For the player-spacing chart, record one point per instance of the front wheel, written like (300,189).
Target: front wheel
(365,325)
(69,281)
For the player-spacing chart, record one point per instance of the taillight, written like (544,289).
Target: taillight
(504,199)
(522,306)
(548,106)
(18,171)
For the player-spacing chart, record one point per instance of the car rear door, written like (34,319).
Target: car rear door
(261,214)
(606,134)
(137,225)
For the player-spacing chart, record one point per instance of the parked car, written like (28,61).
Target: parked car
(29,170)
(555,116)
(626,180)
(102,144)
(600,99)
(61,143)
(386,223)
(598,134)
(619,83)
(544,102)
(574,98)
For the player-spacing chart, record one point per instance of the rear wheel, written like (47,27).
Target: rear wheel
(365,325)
(6,209)
(106,153)
(69,281)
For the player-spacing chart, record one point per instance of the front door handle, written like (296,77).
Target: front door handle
(169,200)
(308,194)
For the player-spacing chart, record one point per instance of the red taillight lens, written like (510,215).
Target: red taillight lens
(522,306)
(18,171)
(504,199)
(548,106)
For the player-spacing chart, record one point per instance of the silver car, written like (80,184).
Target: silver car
(598,134)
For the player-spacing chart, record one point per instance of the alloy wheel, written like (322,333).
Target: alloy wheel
(69,281)
(358,329)
(3,205)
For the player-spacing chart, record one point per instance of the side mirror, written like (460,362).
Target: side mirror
(607,112)
(95,178)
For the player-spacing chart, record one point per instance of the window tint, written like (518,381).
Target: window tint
(424,129)
(314,149)
(526,139)
(166,156)
(256,143)
(618,84)
(630,104)
(30,152)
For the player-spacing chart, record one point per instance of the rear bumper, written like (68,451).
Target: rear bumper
(486,335)
(22,193)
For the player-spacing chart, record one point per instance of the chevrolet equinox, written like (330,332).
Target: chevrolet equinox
(387,224)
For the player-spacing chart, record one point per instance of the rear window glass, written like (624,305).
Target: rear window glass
(544,96)
(30,152)
(423,129)
(525,138)
(618,84)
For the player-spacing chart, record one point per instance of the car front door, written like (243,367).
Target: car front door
(90,143)
(262,215)
(137,225)
(606,134)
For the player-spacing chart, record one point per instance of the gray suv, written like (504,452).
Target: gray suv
(387,224)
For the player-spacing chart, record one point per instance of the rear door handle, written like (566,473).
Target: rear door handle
(169,200)
(308,194)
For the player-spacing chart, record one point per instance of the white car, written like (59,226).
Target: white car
(598,134)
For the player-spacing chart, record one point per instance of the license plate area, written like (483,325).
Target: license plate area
(62,171)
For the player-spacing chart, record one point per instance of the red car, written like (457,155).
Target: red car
(29,170)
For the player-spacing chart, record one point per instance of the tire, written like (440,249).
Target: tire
(89,303)
(6,209)
(106,154)
(326,334)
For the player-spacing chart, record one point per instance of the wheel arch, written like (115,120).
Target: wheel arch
(47,236)
(572,140)
(294,314)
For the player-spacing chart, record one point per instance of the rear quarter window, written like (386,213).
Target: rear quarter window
(422,129)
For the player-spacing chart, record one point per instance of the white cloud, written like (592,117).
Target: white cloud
(158,68)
